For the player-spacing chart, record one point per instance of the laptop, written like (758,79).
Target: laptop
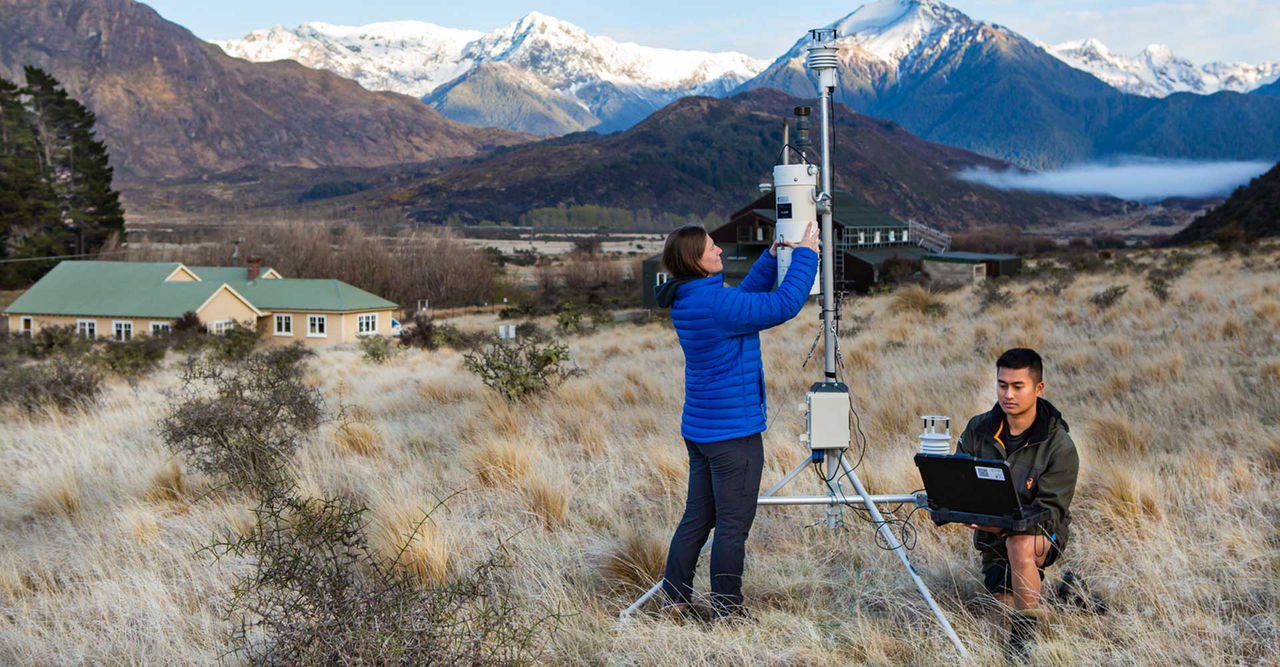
(964,489)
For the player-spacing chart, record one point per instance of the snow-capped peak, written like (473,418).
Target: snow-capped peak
(893,32)
(1157,71)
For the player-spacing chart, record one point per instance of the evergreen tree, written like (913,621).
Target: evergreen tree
(29,224)
(74,162)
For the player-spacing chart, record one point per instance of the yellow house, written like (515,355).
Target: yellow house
(119,300)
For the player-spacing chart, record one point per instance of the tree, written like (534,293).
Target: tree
(29,225)
(75,164)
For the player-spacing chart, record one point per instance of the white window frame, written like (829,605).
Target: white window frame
(166,327)
(661,278)
(223,326)
(86,327)
(282,317)
(117,326)
(26,326)
(312,320)
(360,320)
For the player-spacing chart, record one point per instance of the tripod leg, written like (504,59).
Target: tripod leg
(896,546)
(626,613)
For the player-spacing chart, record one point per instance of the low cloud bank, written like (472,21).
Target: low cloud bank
(1139,179)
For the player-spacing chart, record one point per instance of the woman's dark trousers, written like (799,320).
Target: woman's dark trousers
(724,480)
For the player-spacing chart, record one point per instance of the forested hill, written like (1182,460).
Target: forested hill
(55,183)
(703,155)
(1252,211)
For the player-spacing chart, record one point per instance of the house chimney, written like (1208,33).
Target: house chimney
(255,265)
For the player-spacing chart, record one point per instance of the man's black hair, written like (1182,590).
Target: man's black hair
(1022,357)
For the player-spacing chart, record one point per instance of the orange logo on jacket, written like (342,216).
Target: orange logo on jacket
(1029,483)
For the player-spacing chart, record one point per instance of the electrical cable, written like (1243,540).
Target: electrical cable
(794,149)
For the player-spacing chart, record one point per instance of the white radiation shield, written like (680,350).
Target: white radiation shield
(794,186)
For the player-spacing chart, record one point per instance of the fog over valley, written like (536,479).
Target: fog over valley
(1133,178)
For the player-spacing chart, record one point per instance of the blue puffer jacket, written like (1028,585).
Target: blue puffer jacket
(719,331)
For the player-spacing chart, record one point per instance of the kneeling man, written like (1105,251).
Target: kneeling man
(1031,435)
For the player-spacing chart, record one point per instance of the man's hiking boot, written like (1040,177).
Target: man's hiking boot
(1024,624)
(1073,591)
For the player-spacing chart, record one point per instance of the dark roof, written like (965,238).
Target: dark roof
(877,256)
(968,257)
(853,211)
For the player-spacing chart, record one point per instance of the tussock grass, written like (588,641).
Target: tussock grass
(500,462)
(358,438)
(916,299)
(635,560)
(1174,515)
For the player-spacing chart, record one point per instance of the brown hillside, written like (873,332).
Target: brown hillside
(169,104)
(702,154)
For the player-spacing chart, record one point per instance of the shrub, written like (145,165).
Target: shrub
(59,382)
(1160,280)
(318,593)
(49,341)
(425,333)
(235,344)
(243,422)
(569,318)
(1108,297)
(991,294)
(132,358)
(520,369)
(377,349)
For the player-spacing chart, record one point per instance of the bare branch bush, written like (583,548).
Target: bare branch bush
(319,594)
(243,422)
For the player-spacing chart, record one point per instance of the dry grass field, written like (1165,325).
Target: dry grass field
(1174,407)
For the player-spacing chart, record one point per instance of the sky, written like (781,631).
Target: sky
(1200,30)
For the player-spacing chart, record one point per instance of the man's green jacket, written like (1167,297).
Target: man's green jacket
(1044,469)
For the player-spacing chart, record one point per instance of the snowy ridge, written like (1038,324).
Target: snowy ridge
(890,37)
(417,58)
(410,57)
(1157,72)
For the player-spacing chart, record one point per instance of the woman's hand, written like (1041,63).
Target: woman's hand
(810,240)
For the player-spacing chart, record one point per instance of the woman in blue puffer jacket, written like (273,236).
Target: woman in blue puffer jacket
(724,406)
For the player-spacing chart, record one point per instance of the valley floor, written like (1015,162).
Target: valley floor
(1174,407)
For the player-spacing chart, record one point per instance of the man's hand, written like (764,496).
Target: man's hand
(988,529)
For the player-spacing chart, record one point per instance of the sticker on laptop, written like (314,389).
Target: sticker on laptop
(989,473)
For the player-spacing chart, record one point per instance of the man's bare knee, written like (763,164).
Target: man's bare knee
(1021,549)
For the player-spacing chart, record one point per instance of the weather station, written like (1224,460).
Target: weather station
(804,195)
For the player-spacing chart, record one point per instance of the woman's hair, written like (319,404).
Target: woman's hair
(682,254)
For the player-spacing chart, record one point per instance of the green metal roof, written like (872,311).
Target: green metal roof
(968,257)
(138,289)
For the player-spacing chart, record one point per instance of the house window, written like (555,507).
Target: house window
(122,331)
(26,327)
(661,278)
(223,326)
(161,328)
(87,329)
(891,235)
(862,238)
(366,324)
(315,326)
(284,325)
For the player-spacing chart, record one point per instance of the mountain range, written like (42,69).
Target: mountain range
(1157,72)
(539,74)
(921,63)
(170,105)
(705,154)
